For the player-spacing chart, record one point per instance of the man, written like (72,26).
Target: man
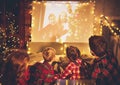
(105,70)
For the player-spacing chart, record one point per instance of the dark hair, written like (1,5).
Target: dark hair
(98,45)
(15,67)
(73,53)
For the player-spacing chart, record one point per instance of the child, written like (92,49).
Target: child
(15,71)
(72,71)
(105,70)
(43,73)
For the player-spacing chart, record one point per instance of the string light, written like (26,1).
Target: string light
(96,27)
(75,22)
(105,22)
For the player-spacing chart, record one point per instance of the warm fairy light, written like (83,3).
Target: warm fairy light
(33,8)
(106,17)
(29,50)
(101,15)
(100,31)
(39,2)
(112,31)
(33,18)
(32,25)
(87,3)
(115,33)
(117,28)
(65,46)
(112,24)
(96,19)
(57,40)
(30,36)
(45,4)
(27,45)
(34,2)
(61,48)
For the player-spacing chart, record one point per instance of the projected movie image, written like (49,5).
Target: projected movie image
(62,21)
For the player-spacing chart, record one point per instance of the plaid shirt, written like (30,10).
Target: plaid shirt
(72,71)
(106,72)
(23,80)
(44,73)
(47,73)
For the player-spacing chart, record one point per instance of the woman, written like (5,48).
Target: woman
(16,68)
(105,65)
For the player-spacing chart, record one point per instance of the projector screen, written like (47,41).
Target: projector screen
(62,21)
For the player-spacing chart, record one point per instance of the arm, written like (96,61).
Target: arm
(67,71)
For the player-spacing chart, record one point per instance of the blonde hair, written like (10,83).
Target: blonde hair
(49,54)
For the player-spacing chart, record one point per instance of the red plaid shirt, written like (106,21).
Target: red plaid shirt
(48,73)
(72,70)
(106,72)
(23,80)
(44,73)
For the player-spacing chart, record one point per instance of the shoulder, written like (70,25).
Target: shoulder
(35,66)
(71,65)
(79,61)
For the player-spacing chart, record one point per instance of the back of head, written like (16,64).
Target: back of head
(15,65)
(49,54)
(73,53)
(18,56)
(98,45)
